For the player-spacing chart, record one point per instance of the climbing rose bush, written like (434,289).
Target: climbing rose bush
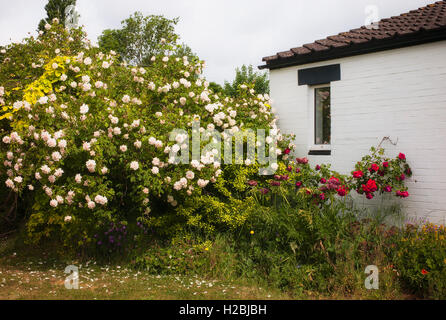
(91,139)
(319,185)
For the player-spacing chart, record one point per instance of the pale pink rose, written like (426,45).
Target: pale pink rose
(9,183)
(56,156)
(86,146)
(91,165)
(45,169)
(134,165)
(190,175)
(58,173)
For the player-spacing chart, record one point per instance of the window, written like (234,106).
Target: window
(322,116)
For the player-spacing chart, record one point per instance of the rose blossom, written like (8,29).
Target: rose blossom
(134,165)
(358,174)
(91,165)
(45,169)
(101,200)
(190,175)
(202,183)
(56,156)
(84,109)
(138,144)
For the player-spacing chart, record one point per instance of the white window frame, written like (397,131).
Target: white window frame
(311,119)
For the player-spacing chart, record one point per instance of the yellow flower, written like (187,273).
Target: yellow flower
(252,232)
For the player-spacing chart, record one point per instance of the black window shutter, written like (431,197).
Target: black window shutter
(319,75)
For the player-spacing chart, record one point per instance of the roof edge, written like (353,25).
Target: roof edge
(396,42)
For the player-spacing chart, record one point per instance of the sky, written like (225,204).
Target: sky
(224,33)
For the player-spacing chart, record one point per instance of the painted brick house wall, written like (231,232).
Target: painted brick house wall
(398,93)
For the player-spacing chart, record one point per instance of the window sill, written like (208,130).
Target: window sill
(319,153)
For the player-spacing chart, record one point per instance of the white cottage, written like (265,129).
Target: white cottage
(343,94)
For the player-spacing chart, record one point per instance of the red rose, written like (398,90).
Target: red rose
(358,174)
(424,272)
(402,194)
(323,180)
(388,189)
(369,196)
(333,180)
(402,156)
(322,196)
(342,191)
(385,164)
(287,151)
(370,186)
(318,167)
(299,184)
(374,167)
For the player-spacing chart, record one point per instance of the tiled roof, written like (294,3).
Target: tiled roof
(419,24)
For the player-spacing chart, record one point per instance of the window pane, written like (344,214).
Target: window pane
(322,116)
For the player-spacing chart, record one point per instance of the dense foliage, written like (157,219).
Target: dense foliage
(89,147)
(56,9)
(140,38)
(246,74)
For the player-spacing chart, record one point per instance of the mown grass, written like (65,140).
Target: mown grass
(35,274)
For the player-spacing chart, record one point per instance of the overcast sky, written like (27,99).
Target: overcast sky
(224,33)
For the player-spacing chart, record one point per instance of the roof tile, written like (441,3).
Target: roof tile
(430,17)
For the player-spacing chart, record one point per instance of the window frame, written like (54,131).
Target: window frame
(318,149)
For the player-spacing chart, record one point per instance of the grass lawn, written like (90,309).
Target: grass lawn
(37,275)
(32,278)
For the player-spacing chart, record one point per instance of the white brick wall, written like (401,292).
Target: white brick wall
(398,93)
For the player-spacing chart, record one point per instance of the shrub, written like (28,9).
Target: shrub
(91,140)
(418,253)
